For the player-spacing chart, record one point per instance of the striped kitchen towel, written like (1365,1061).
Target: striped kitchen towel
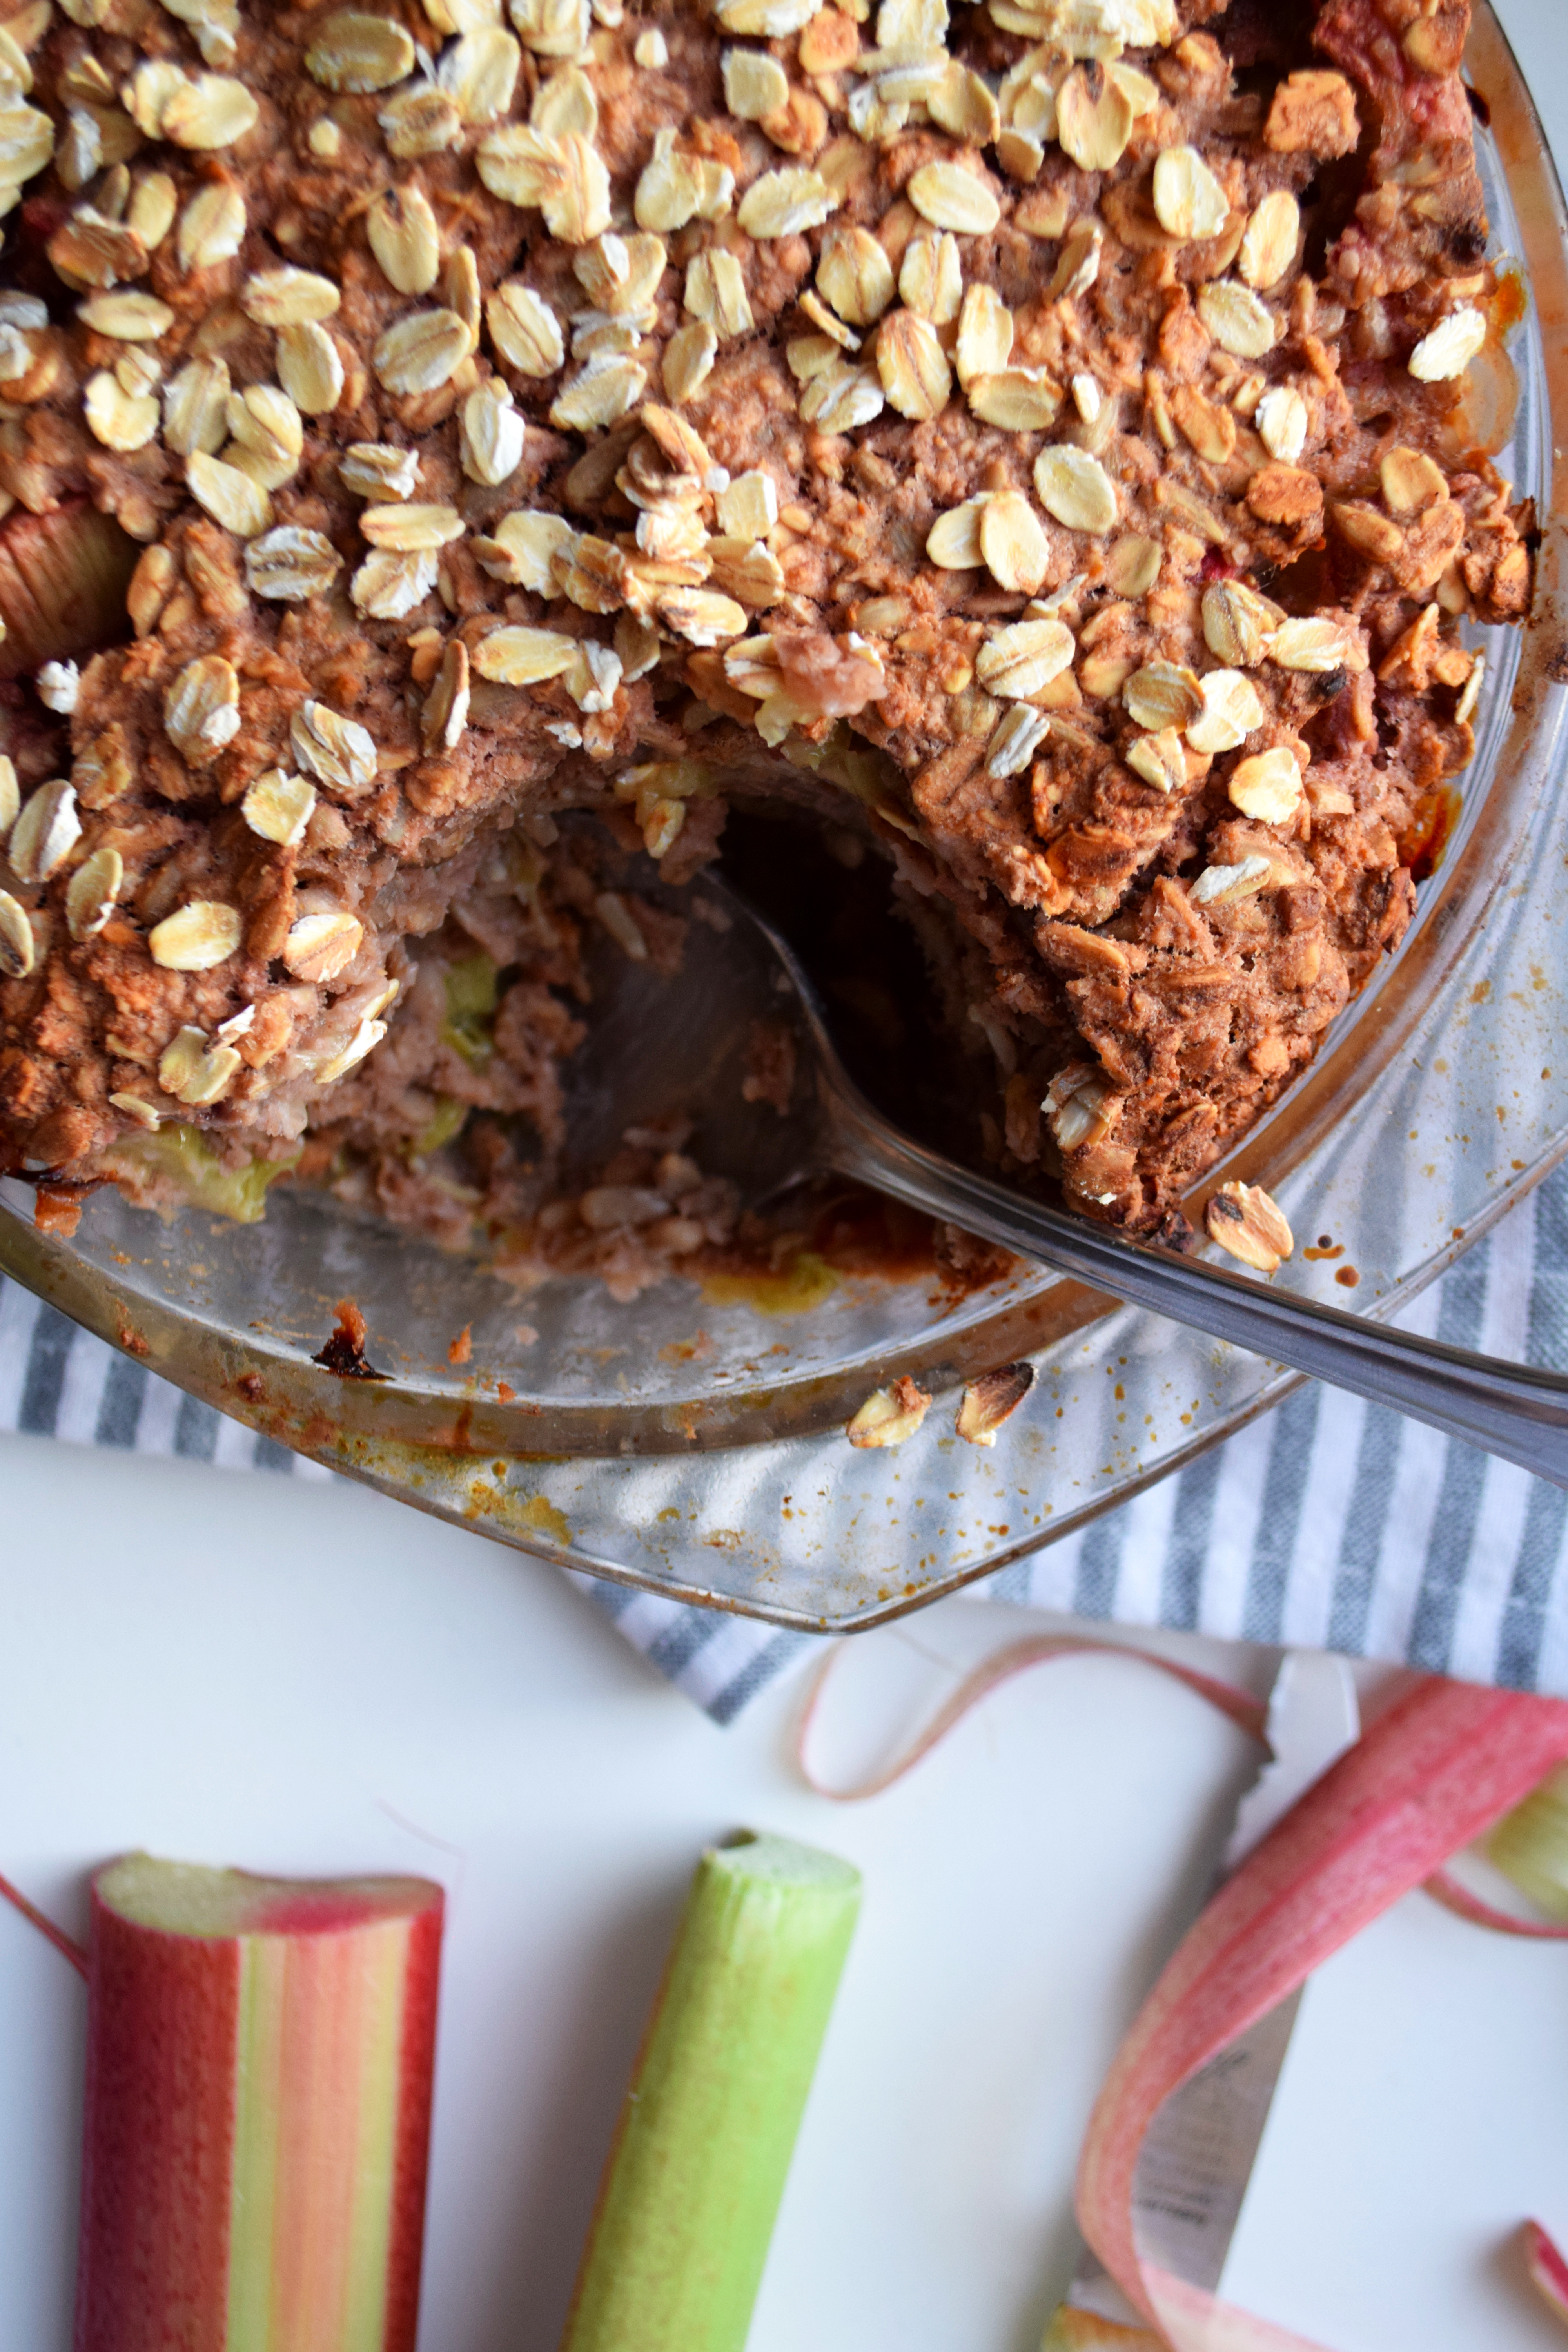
(1326,1523)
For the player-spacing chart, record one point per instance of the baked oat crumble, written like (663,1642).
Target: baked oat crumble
(1035,439)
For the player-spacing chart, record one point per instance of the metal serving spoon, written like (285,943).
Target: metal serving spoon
(1509,1410)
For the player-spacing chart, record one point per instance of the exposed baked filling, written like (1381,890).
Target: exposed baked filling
(1047,441)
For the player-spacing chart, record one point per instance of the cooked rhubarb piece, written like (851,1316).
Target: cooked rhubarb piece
(260,2056)
(703,2146)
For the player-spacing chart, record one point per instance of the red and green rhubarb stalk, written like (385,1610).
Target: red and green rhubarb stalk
(703,2145)
(259,2059)
(1426,1779)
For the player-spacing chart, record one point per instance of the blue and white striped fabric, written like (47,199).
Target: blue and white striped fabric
(1338,1525)
(1328,1523)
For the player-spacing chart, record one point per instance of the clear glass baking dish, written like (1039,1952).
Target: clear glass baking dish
(695,1446)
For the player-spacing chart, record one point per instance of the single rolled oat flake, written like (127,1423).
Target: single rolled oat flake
(279,807)
(92,892)
(378,469)
(1189,201)
(210,112)
(522,656)
(291,564)
(120,420)
(421,352)
(407,528)
(1017,399)
(1239,320)
(889,1415)
(288,297)
(201,709)
(1094,118)
(45,834)
(984,334)
(855,275)
(318,947)
(1282,420)
(1160,759)
(755,84)
(1164,694)
(1411,481)
(1318,645)
(992,1399)
(195,1072)
(491,435)
(229,496)
(523,549)
(953,543)
(687,362)
(949,197)
(1249,1222)
(401,228)
(1270,240)
(786,202)
(1239,625)
(446,711)
(389,584)
(1019,661)
(196,938)
(1232,709)
(1268,787)
(17,948)
(1018,735)
(127,318)
(1225,885)
(356,52)
(212,226)
(1012,543)
(1075,488)
(931,277)
(1448,350)
(913,365)
(338,751)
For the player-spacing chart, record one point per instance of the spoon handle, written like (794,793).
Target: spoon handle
(1507,1409)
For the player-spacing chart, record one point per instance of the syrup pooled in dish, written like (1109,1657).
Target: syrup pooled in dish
(1031,441)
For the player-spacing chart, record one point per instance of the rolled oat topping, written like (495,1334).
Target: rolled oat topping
(995,433)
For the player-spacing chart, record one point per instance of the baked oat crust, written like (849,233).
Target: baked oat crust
(1047,439)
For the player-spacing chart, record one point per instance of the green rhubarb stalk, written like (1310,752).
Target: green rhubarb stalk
(703,2145)
(259,2070)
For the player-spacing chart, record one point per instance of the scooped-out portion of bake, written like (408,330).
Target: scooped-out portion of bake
(1042,443)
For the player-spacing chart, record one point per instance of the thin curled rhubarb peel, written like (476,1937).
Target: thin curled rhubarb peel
(1249,1713)
(1547,2271)
(1446,1889)
(1423,1780)
(64,1945)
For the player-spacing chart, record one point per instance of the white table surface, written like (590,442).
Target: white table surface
(245,1669)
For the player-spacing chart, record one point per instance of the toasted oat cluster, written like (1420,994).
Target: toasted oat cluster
(1047,439)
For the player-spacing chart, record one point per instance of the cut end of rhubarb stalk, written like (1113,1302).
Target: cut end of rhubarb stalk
(260,2061)
(704,2141)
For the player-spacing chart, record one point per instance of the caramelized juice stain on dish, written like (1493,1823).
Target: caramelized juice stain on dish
(1436,816)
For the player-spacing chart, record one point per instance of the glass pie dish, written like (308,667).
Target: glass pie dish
(692,1441)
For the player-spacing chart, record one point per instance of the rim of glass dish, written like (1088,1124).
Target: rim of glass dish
(278,1388)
